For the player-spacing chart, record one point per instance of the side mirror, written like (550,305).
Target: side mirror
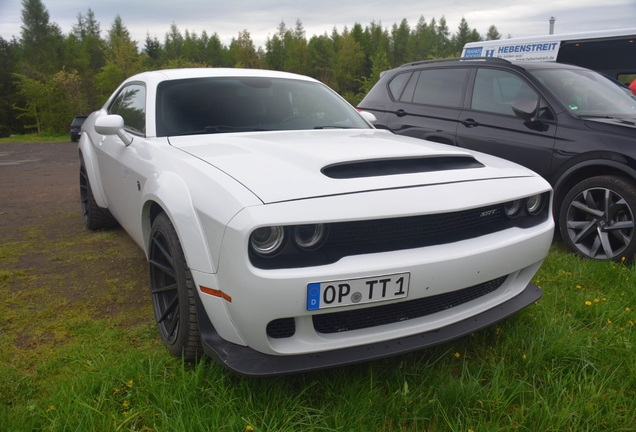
(113,124)
(525,109)
(368,117)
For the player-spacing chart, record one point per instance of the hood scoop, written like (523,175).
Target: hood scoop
(397,166)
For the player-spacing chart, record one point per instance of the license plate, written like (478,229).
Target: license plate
(324,295)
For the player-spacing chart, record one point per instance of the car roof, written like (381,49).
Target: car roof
(172,74)
(481,61)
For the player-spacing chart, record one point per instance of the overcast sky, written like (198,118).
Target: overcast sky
(261,18)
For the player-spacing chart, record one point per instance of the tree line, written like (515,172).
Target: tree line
(47,77)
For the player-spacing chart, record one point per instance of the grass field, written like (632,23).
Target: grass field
(31,138)
(76,357)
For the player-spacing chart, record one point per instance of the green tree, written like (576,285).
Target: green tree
(399,42)
(492,33)
(423,42)
(216,54)
(122,59)
(243,52)
(41,41)
(379,63)
(349,67)
(322,59)
(173,43)
(154,52)
(9,95)
(36,108)
(275,49)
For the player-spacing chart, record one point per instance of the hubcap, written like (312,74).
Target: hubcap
(600,223)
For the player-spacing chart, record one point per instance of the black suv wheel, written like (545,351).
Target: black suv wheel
(597,218)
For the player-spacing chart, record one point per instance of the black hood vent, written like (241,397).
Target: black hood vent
(386,167)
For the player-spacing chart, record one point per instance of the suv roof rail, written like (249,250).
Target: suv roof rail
(487,59)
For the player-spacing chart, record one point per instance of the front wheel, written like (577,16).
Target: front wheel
(172,290)
(95,217)
(596,218)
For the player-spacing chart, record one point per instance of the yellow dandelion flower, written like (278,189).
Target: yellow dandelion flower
(609,321)
(126,403)
(596,300)
(130,383)
(622,259)
(589,303)
(51,408)
(579,287)
(125,413)
(523,357)
(456,354)
(604,299)
(249,428)
(627,309)
(470,430)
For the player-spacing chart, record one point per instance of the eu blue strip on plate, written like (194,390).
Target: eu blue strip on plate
(313,296)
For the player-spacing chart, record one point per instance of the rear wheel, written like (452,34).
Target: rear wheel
(172,290)
(95,217)
(596,218)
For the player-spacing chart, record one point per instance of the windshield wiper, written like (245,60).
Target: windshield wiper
(224,128)
(220,129)
(334,127)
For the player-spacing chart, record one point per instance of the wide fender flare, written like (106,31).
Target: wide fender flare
(614,161)
(89,160)
(170,191)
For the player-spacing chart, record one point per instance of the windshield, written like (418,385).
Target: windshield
(586,93)
(240,104)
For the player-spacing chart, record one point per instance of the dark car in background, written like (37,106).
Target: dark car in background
(76,127)
(571,125)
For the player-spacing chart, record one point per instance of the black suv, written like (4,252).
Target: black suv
(571,125)
(76,127)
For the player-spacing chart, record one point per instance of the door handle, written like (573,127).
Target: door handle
(469,122)
(400,113)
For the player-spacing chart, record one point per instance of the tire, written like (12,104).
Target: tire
(95,217)
(596,218)
(173,290)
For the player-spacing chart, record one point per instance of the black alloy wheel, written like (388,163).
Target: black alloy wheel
(95,217)
(172,290)
(597,218)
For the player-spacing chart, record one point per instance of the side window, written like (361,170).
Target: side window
(495,89)
(397,84)
(131,105)
(440,87)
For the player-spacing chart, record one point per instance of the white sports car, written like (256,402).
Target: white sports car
(284,233)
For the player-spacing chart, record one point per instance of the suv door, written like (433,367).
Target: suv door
(490,125)
(429,104)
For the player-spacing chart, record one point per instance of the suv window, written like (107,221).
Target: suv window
(397,84)
(441,87)
(495,89)
(131,105)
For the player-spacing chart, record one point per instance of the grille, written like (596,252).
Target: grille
(409,228)
(380,315)
(281,328)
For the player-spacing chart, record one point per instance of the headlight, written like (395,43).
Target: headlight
(513,208)
(268,241)
(310,237)
(534,204)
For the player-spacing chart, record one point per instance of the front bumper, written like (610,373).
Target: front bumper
(248,362)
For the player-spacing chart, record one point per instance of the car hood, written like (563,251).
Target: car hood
(291,165)
(625,126)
